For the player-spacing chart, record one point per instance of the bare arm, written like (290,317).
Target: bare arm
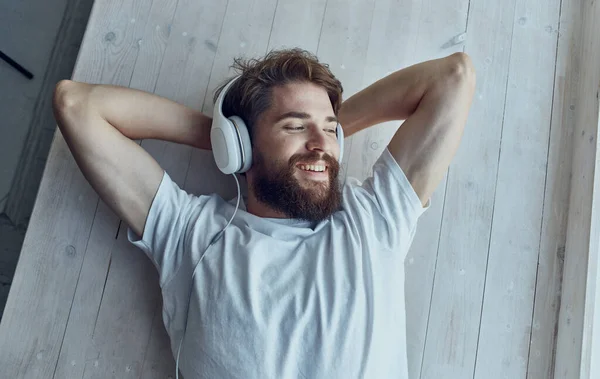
(434,98)
(99,122)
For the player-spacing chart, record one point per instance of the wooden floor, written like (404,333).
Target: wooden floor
(484,272)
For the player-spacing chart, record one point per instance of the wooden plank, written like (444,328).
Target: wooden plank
(574,348)
(297,24)
(590,351)
(452,335)
(158,362)
(245,32)
(556,196)
(39,304)
(506,320)
(87,298)
(123,325)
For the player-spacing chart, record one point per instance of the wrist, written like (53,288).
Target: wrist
(200,134)
(351,118)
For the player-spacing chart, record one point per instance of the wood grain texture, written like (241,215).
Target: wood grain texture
(573,347)
(297,24)
(43,288)
(506,319)
(590,354)
(556,195)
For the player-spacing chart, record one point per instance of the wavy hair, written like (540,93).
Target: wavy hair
(250,95)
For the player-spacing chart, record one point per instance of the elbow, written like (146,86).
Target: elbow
(68,102)
(461,68)
(63,98)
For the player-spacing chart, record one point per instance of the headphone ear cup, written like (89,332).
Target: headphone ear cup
(244,144)
(225,145)
(340,139)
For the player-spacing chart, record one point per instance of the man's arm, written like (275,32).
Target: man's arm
(434,97)
(99,122)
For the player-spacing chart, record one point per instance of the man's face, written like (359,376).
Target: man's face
(299,130)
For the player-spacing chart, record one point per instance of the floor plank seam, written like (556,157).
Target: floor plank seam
(272,23)
(495,190)
(212,68)
(164,53)
(321,30)
(556,55)
(434,273)
(147,344)
(76,286)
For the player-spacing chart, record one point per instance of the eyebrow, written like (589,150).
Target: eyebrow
(304,116)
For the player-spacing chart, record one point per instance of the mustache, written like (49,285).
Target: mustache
(313,156)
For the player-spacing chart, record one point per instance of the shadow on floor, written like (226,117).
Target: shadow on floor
(11,240)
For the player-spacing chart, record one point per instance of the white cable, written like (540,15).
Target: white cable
(215,239)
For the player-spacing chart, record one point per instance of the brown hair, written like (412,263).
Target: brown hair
(250,95)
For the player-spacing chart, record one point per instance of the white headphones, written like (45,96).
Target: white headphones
(230,139)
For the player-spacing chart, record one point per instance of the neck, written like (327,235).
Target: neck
(261,210)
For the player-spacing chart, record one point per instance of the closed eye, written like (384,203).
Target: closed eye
(334,131)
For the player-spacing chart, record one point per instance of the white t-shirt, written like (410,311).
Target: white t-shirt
(285,298)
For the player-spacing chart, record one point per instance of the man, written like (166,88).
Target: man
(308,280)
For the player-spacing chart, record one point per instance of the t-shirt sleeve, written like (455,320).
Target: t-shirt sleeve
(165,232)
(386,203)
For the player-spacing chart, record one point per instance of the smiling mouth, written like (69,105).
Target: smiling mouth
(316,175)
(317,168)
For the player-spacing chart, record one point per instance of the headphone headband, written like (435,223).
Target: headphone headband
(221,98)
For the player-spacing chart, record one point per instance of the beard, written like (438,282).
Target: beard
(276,186)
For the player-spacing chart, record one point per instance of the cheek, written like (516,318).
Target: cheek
(272,159)
(284,150)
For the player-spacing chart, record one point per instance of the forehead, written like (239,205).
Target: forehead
(299,97)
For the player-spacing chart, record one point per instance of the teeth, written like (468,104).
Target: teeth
(312,167)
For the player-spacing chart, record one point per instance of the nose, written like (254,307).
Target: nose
(317,140)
